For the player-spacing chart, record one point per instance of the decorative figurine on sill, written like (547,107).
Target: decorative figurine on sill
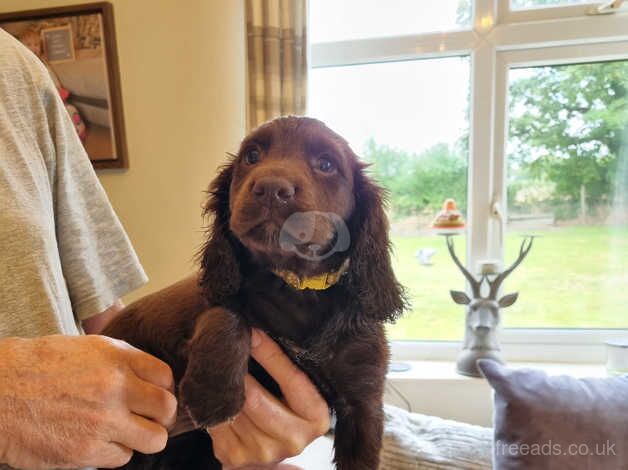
(483,312)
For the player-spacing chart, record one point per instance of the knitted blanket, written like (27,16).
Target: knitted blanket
(417,442)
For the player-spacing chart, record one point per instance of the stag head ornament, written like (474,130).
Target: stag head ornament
(483,311)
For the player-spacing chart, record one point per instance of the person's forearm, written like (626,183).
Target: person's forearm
(95,324)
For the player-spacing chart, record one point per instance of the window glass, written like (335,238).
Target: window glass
(332,20)
(527,4)
(568,182)
(410,120)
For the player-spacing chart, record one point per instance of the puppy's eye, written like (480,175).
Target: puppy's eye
(251,156)
(325,164)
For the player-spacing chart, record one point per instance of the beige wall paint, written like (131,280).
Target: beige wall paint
(182,66)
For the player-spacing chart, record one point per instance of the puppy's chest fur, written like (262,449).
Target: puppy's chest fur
(306,324)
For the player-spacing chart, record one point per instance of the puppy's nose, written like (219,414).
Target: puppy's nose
(274,189)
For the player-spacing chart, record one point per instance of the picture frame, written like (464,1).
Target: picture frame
(77,44)
(58,44)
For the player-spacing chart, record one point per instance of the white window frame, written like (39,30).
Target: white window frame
(542,13)
(499,39)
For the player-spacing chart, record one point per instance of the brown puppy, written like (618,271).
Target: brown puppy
(292,209)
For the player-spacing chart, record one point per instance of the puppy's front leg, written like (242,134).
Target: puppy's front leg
(212,388)
(358,375)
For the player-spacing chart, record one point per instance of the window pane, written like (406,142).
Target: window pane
(332,20)
(568,181)
(527,4)
(410,120)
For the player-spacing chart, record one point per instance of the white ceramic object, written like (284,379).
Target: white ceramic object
(617,357)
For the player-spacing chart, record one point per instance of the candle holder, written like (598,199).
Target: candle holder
(483,312)
(617,357)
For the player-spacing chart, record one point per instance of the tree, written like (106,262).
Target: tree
(566,126)
(463,12)
(418,182)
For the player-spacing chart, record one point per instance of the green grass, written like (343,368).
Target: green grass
(574,277)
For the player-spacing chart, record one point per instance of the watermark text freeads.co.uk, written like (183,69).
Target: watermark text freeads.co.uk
(550,448)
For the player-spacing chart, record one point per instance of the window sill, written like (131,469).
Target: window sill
(446,370)
(435,388)
(525,346)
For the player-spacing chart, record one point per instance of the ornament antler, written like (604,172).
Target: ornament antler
(475,284)
(496,283)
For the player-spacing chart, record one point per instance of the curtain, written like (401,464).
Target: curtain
(277,59)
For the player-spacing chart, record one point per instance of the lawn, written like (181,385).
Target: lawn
(574,277)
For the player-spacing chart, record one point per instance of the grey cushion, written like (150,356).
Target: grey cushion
(544,422)
(417,442)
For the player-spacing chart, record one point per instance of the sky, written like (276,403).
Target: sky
(340,20)
(408,105)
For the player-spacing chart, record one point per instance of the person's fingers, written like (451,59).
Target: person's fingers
(141,434)
(262,447)
(112,456)
(227,446)
(268,429)
(151,369)
(279,466)
(152,402)
(301,395)
(241,441)
(268,413)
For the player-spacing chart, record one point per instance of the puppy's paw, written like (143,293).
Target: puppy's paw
(210,403)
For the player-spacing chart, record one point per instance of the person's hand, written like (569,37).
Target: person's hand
(85,401)
(268,430)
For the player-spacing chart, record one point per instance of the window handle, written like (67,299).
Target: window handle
(496,210)
(496,238)
(606,8)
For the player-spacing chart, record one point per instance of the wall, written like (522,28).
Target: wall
(182,66)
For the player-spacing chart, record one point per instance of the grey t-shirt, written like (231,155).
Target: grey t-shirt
(64,255)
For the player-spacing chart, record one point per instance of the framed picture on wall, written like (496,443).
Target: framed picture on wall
(77,44)
(58,44)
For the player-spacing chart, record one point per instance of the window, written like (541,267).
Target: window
(524,4)
(419,152)
(367,19)
(495,106)
(567,154)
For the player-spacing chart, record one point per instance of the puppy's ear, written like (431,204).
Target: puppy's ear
(220,269)
(376,289)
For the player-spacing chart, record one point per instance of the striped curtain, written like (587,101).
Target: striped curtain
(277,59)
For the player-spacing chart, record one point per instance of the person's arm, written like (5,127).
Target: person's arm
(95,324)
(81,401)
(267,429)
(98,262)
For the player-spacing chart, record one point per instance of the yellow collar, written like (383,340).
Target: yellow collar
(319,282)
